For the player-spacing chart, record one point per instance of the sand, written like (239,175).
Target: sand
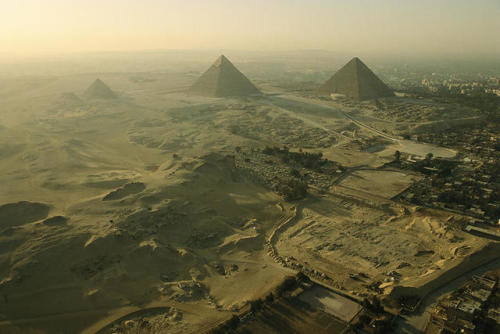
(112,206)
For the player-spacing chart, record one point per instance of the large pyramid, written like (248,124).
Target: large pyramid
(99,90)
(223,79)
(356,80)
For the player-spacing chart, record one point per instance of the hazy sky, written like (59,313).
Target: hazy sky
(361,26)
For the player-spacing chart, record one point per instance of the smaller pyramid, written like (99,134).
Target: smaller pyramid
(357,81)
(99,90)
(223,79)
(67,101)
(69,98)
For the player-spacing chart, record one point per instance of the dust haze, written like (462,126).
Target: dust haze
(232,189)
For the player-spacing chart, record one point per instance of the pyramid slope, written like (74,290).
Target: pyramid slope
(223,79)
(68,100)
(100,90)
(356,80)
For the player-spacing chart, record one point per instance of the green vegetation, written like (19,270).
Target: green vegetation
(311,161)
(484,102)
(290,283)
(296,187)
(397,156)
(373,305)
(226,327)
(488,103)
(374,319)
(429,165)
(293,190)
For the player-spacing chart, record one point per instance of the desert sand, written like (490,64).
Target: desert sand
(133,201)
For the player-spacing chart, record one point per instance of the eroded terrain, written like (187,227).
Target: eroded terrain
(161,201)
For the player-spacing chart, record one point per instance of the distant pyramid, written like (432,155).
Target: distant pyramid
(223,79)
(356,80)
(67,102)
(100,90)
(69,98)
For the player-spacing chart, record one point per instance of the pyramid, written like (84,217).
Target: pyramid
(356,80)
(223,79)
(69,98)
(66,102)
(99,90)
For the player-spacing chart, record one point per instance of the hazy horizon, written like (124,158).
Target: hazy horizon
(149,186)
(387,27)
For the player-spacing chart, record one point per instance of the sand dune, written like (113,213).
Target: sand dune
(128,189)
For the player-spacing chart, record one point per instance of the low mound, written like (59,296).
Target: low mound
(139,255)
(56,221)
(109,263)
(20,213)
(106,183)
(128,189)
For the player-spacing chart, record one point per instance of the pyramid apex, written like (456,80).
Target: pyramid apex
(222,59)
(356,60)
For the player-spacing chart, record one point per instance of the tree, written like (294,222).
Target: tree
(288,284)
(295,172)
(301,277)
(256,305)
(268,150)
(233,322)
(376,305)
(429,156)
(364,319)
(397,156)
(382,326)
(294,190)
